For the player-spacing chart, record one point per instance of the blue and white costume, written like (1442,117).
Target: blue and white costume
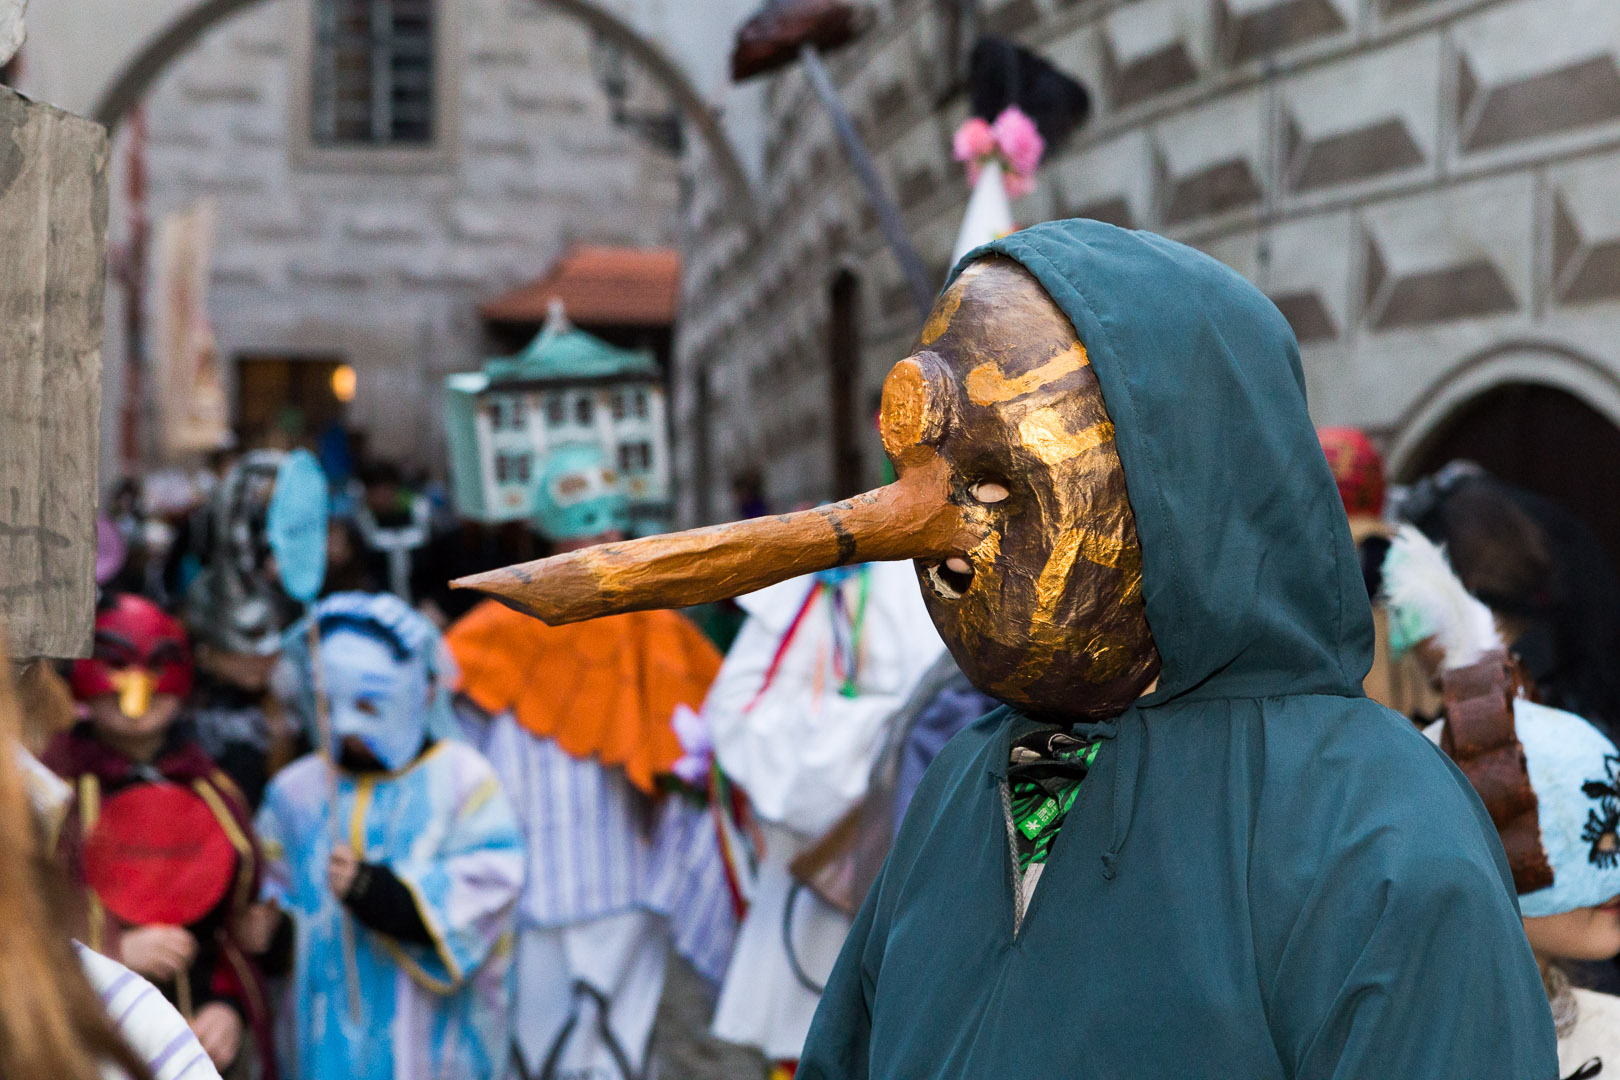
(437,820)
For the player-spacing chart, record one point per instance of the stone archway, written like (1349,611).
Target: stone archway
(136,78)
(1544,419)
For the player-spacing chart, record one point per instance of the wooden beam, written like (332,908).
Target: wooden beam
(53,246)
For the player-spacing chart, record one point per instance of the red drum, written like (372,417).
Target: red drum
(157,854)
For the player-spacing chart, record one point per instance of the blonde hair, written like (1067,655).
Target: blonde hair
(52,1022)
(45,706)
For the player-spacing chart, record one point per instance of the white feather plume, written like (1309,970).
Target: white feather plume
(1421,588)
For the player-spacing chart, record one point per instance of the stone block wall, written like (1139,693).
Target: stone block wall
(1428,189)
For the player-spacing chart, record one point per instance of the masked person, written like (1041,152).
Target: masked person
(68,1013)
(1358,472)
(578,723)
(798,715)
(1550,780)
(161,837)
(398,870)
(154,1030)
(237,610)
(1188,843)
(1544,573)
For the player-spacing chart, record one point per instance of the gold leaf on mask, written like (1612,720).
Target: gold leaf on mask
(904,420)
(987,385)
(1045,435)
(1054,578)
(939,320)
(1110,659)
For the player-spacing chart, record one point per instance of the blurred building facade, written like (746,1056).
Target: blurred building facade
(1428,189)
(373,189)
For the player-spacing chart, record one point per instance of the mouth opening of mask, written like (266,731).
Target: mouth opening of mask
(951,578)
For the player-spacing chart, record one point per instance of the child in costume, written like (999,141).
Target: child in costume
(161,837)
(237,608)
(399,870)
(1550,779)
(579,723)
(69,1013)
(1358,471)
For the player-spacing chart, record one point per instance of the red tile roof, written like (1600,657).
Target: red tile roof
(599,286)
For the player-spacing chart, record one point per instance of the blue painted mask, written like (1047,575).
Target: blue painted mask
(374,694)
(384,671)
(579,496)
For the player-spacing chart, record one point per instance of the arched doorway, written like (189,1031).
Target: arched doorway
(1541,438)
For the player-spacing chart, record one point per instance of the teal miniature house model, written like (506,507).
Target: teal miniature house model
(567,389)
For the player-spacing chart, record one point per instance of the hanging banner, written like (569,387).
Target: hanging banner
(186,370)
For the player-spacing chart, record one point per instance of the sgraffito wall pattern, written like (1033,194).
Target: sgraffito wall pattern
(1417,184)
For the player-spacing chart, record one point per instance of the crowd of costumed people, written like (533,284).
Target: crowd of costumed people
(305,832)
(287,822)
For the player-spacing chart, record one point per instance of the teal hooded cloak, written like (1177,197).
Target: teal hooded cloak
(1265,874)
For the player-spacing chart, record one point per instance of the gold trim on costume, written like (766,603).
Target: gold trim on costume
(89,814)
(481,795)
(233,833)
(357,840)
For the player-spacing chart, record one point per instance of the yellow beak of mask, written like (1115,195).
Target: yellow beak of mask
(1010,497)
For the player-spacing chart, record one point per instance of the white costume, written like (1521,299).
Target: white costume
(1596,1033)
(798,714)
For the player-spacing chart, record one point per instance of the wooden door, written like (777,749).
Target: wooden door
(286,400)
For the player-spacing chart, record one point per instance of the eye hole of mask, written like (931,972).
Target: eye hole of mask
(165,654)
(368,706)
(989,492)
(115,650)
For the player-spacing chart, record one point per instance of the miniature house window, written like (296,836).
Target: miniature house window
(373,77)
(556,410)
(582,411)
(641,404)
(512,468)
(506,414)
(635,457)
(617,402)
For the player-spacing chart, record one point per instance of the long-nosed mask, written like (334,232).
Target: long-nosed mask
(1045,611)
(1010,497)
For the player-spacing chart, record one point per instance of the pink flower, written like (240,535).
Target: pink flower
(1017,184)
(973,142)
(1020,144)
